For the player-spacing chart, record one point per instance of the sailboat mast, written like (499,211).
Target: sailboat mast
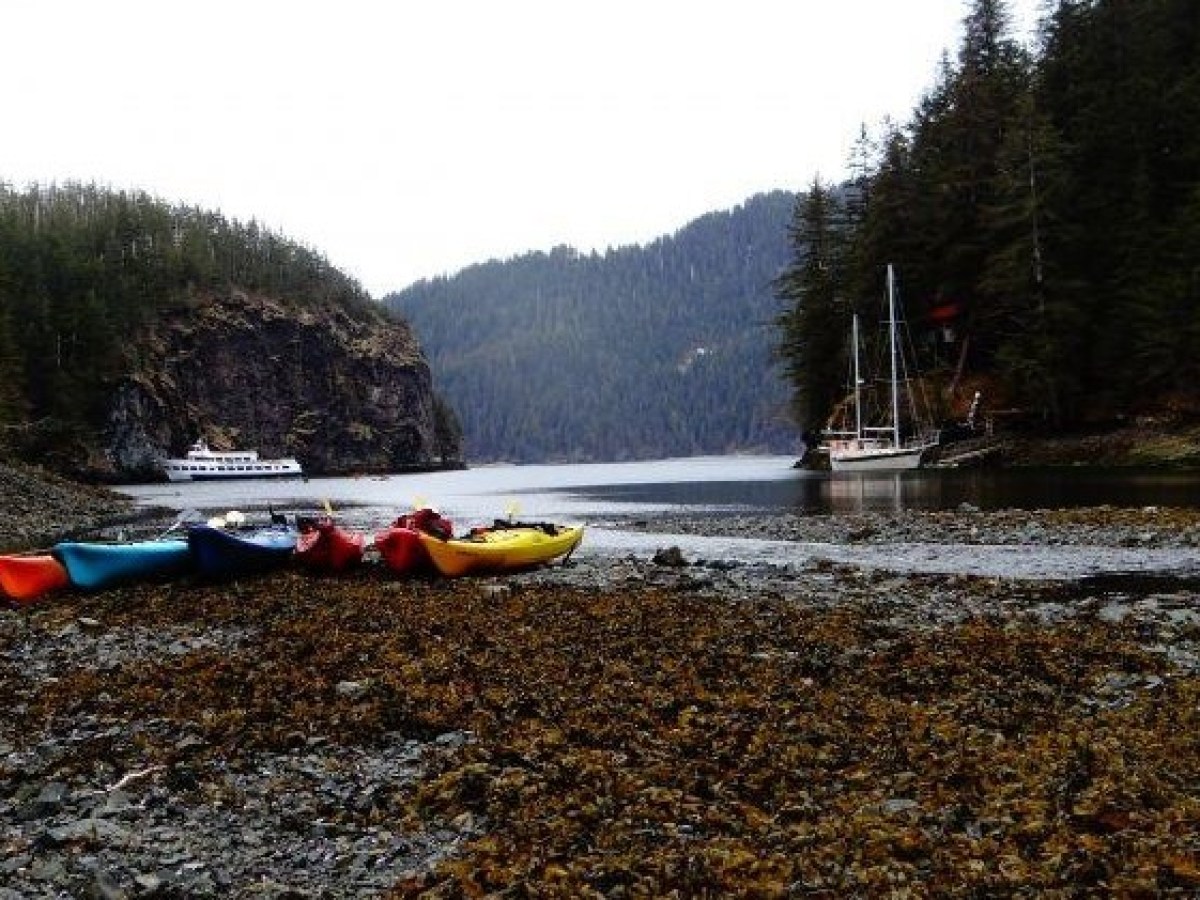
(857,381)
(891,289)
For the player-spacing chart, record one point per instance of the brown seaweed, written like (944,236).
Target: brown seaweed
(638,742)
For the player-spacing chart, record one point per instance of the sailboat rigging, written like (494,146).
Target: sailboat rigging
(881,446)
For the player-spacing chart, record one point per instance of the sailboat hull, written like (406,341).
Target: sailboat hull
(882,459)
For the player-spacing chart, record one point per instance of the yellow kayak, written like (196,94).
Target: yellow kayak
(501,549)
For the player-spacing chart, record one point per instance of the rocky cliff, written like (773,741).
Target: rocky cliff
(341,388)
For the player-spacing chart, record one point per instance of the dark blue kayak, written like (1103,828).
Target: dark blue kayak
(224,553)
(96,565)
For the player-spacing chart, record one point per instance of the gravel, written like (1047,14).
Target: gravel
(99,801)
(38,508)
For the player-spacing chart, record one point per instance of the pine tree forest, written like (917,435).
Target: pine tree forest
(83,268)
(1042,211)
(639,352)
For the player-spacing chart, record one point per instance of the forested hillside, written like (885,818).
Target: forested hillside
(1042,210)
(639,352)
(107,295)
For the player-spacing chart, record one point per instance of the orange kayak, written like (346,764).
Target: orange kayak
(25,578)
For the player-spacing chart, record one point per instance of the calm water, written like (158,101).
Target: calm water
(703,484)
(604,494)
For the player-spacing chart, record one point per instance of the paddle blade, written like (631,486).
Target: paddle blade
(185,517)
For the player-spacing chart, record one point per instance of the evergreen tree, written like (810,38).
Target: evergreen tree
(12,399)
(1031,309)
(886,231)
(448,433)
(812,328)
(1118,80)
(956,151)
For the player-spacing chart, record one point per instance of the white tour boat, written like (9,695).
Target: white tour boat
(202,464)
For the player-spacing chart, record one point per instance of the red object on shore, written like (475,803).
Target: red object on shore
(944,313)
(325,546)
(400,546)
(25,578)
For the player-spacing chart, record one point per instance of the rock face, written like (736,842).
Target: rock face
(341,389)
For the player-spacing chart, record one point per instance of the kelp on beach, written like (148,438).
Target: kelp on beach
(637,741)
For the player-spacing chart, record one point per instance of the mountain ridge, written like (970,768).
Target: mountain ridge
(644,351)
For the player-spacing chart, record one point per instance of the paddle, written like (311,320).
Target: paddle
(185,517)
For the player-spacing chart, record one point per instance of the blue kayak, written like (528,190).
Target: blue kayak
(96,565)
(221,553)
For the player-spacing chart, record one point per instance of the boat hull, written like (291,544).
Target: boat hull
(326,547)
(400,545)
(501,549)
(26,578)
(94,566)
(876,460)
(218,553)
(236,476)
(218,475)
(401,550)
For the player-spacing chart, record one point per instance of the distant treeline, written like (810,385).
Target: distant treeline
(638,352)
(1042,209)
(83,269)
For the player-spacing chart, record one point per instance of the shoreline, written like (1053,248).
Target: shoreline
(1084,526)
(628,724)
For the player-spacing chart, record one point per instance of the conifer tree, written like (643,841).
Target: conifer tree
(448,433)
(956,149)
(886,231)
(1118,81)
(1030,308)
(12,399)
(813,326)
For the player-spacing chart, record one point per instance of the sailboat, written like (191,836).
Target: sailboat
(880,446)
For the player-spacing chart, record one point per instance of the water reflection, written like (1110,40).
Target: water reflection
(691,485)
(934,489)
(866,491)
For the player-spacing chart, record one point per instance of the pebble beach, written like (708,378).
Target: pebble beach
(619,726)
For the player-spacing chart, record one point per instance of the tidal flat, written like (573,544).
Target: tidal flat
(621,726)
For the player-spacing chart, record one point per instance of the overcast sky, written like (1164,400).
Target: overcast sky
(410,139)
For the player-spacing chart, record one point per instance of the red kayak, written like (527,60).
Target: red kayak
(400,546)
(25,578)
(325,546)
